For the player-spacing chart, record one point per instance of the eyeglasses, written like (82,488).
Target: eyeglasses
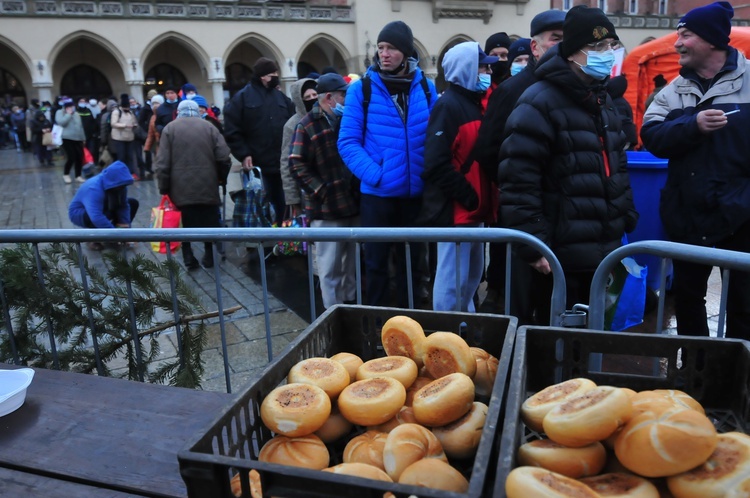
(603,45)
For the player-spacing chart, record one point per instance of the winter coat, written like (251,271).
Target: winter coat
(122,123)
(291,189)
(105,129)
(388,157)
(152,139)
(254,123)
(87,120)
(187,166)
(38,125)
(315,163)
(91,197)
(707,192)
(72,127)
(165,114)
(456,190)
(563,171)
(616,87)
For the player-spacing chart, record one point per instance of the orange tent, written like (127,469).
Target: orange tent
(658,56)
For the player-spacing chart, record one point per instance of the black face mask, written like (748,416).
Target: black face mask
(273,82)
(499,71)
(309,104)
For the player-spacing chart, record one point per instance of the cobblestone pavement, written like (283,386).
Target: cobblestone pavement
(36,197)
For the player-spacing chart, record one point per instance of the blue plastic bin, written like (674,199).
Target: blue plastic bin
(648,174)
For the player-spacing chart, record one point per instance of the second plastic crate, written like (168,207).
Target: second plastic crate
(716,372)
(232,443)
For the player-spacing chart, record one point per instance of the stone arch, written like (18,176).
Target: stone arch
(182,53)
(15,61)
(452,42)
(92,37)
(323,50)
(262,45)
(242,53)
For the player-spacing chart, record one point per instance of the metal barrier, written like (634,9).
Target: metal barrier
(727,260)
(261,236)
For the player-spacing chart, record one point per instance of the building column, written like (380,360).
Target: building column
(136,91)
(42,81)
(217,88)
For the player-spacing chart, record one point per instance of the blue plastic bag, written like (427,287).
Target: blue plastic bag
(625,296)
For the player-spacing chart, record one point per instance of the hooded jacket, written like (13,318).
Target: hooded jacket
(254,124)
(707,193)
(291,189)
(92,196)
(388,157)
(456,190)
(563,171)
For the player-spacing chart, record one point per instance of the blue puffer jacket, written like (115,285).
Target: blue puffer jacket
(390,161)
(91,197)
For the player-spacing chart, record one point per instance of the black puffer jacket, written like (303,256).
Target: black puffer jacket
(555,181)
(254,124)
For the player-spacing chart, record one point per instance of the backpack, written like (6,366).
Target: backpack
(367,95)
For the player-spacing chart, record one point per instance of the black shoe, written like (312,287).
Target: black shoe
(191,263)
(207,261)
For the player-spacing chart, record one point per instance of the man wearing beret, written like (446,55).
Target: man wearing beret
(254,125)
(700,122)
(563,171)
(546,32)
(387,153)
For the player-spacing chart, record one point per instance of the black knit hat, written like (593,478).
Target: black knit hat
(124,100)
(711,22)
(497,40)
(584,25)
(264,66)
(398,34)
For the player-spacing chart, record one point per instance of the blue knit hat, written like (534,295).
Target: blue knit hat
(200,100)
(711,22)
(522,46)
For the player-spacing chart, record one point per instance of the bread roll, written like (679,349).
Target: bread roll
(372,401)
(437,474)
(484,378)
(588,417)
(444,400)
(255,489)
(403,336)
(329,375)
(537,406)
(304,451)
(404,416)
(418,384)
(621,485)
(460,439)
(366,448)
(446,353)
(359,470)
(646,400)
(335,427)
(665,444)
(528,482)
(295,409)
(726,473)
(406,444)
(350,361)
(572,462)
(401,368)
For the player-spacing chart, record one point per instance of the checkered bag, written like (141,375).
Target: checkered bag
(251,206)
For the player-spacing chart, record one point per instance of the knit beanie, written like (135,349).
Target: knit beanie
(124,101)
(188,87)
(522,46)
(264,66)
(201,101)
(157,99)
(711,22)
(187,109)
(547,21)
(584,25)
(496,40)
(151,94)
(398,34)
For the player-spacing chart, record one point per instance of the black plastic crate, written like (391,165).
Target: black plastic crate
(232,443)
(716,372)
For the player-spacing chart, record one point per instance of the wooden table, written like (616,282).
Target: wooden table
(100,436)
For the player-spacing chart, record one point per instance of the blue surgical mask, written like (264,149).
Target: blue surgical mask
(516,68)
(338,110)
(484,82)
(598,64)
(171,101)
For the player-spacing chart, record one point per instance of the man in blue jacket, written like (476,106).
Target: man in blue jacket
(700,123)
(103,202)
(382,141)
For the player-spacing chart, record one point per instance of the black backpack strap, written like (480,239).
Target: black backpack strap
(366,95)
(426,89)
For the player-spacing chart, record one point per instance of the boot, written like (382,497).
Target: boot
(187,257)
(208,258)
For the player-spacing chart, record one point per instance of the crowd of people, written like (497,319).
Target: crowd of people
(529,134)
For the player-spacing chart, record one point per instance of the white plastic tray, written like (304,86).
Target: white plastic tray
(13,384)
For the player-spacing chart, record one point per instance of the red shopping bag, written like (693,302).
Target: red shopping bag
(88,158)
(165,215)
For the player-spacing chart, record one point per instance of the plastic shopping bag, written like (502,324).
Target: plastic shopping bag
(251,207)
(165,215)
(57,138)
(287,247)
(625,295)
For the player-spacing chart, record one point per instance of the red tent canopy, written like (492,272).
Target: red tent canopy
(658,56)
